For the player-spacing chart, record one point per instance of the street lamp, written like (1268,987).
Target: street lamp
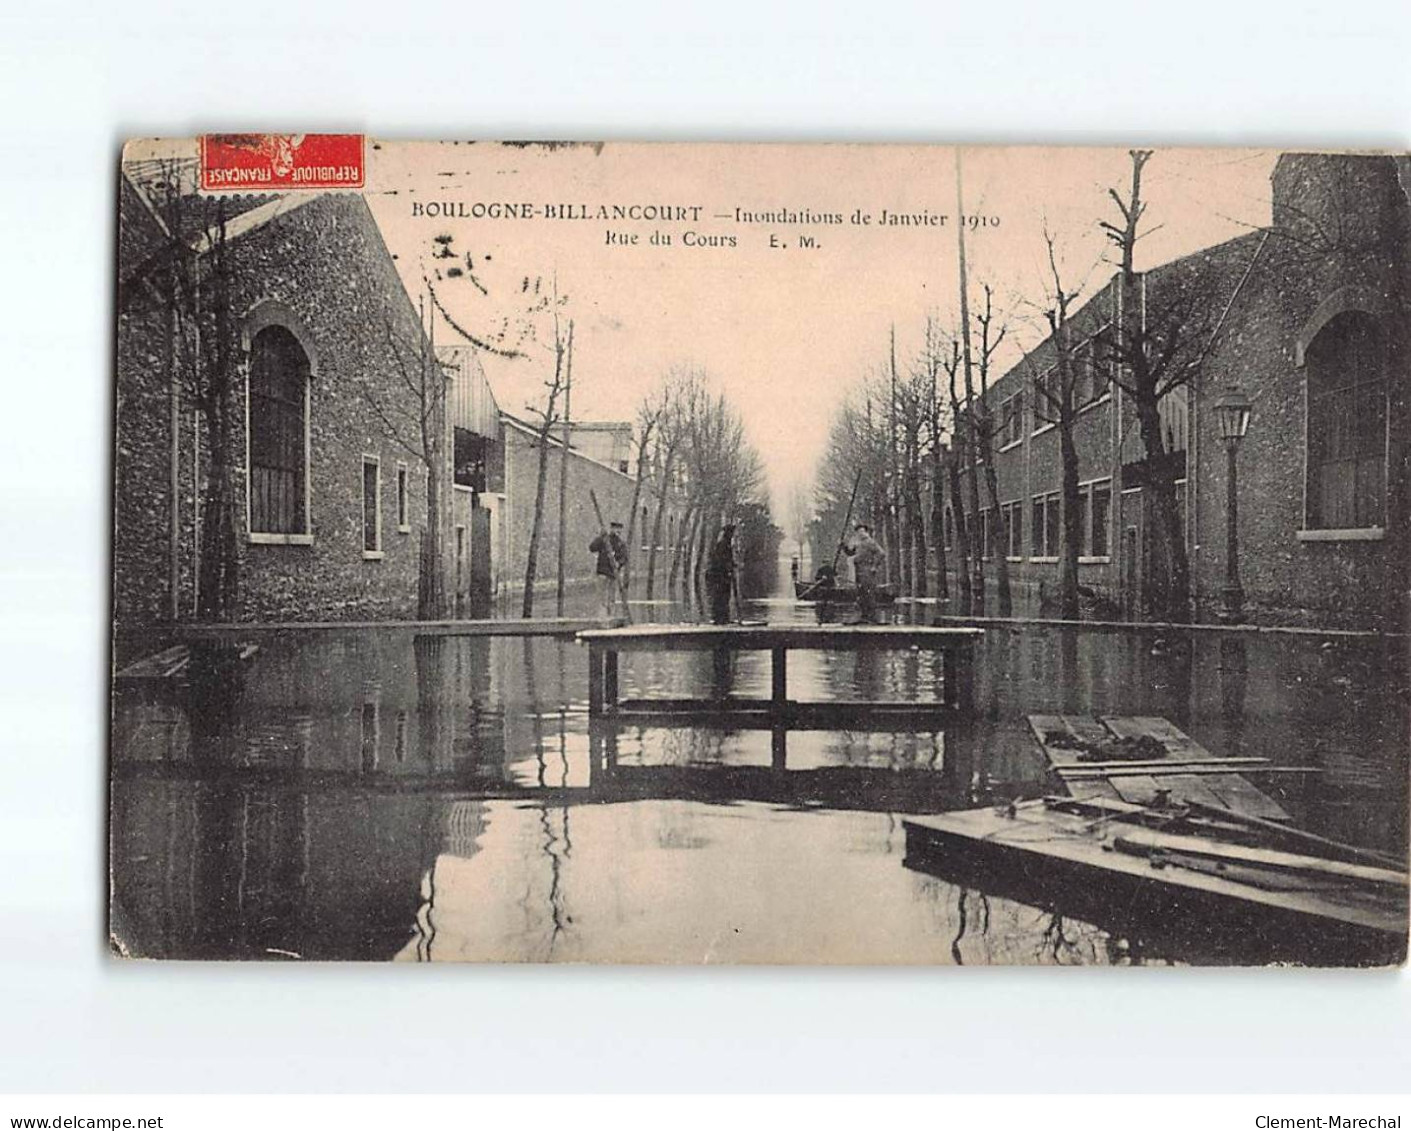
(1232,416)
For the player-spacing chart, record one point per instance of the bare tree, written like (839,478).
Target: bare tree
(1055,402)
(961,443)
(1146,347)
(984,423)
(548,414)
(937,426)
(190,276)
(649,418)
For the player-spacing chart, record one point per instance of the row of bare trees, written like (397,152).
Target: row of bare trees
(919,440)
(694,461)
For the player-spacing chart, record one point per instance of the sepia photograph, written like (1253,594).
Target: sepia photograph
(692,554)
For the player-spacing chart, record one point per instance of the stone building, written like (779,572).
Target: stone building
(1310,316)
(329,493)
(329,376)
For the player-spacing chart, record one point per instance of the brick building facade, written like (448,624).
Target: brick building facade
(1310,316)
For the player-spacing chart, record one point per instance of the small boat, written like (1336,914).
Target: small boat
(824,592)
(1186,882)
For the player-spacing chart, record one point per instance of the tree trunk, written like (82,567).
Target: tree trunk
(632,524)
(663,490)
(685,531)
(219,585)
(977,544)
(1167,582)
(433,603)
(962,539)
(916,511)
(531,566)
(1071,534)
(998,551)
(938,530)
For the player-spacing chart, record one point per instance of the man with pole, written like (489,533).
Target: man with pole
(612,560)
(867,561)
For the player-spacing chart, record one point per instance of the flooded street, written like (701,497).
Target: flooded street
(373,795)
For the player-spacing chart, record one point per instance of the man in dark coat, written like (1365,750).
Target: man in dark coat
(720,576)
(612,559)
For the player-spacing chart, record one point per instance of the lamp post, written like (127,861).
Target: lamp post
(1232,416)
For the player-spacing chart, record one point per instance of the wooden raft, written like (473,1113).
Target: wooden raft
(1224,790)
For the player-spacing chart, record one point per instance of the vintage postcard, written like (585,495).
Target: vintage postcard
(629,553)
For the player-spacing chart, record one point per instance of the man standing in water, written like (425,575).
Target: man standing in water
(612,557)
(867,558)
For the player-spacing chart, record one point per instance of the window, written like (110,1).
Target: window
(372,507)
(1090,369)
(1082,362)
(1011,420)
(1044,411)
(1014,529)
(1347,422)
(278,439)
(1101,511)
(404,525)
(1045,524)
(1102,362)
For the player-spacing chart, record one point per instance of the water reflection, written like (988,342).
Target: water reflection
(382,795)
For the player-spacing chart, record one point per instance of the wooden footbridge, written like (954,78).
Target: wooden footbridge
(605,646)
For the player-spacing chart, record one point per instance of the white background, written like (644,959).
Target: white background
(76,78)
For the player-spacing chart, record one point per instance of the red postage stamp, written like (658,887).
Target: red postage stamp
(246,162)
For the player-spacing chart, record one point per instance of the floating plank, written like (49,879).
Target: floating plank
(1228,791)
(1176,769)
(1059,756)
(1147,842)
(1179,787)
(1248,764)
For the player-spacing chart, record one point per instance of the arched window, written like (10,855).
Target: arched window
(279,386)
(1347,424)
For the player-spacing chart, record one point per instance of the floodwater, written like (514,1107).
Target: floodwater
(374,796)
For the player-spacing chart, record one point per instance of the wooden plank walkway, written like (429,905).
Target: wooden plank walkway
(563,628)
(1212,786)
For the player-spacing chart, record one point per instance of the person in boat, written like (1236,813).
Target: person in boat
(794,569)
(867,561)
(720,576)
(612,559)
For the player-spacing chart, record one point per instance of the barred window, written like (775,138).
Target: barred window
(372,506)
(279,383)
(1347,420)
